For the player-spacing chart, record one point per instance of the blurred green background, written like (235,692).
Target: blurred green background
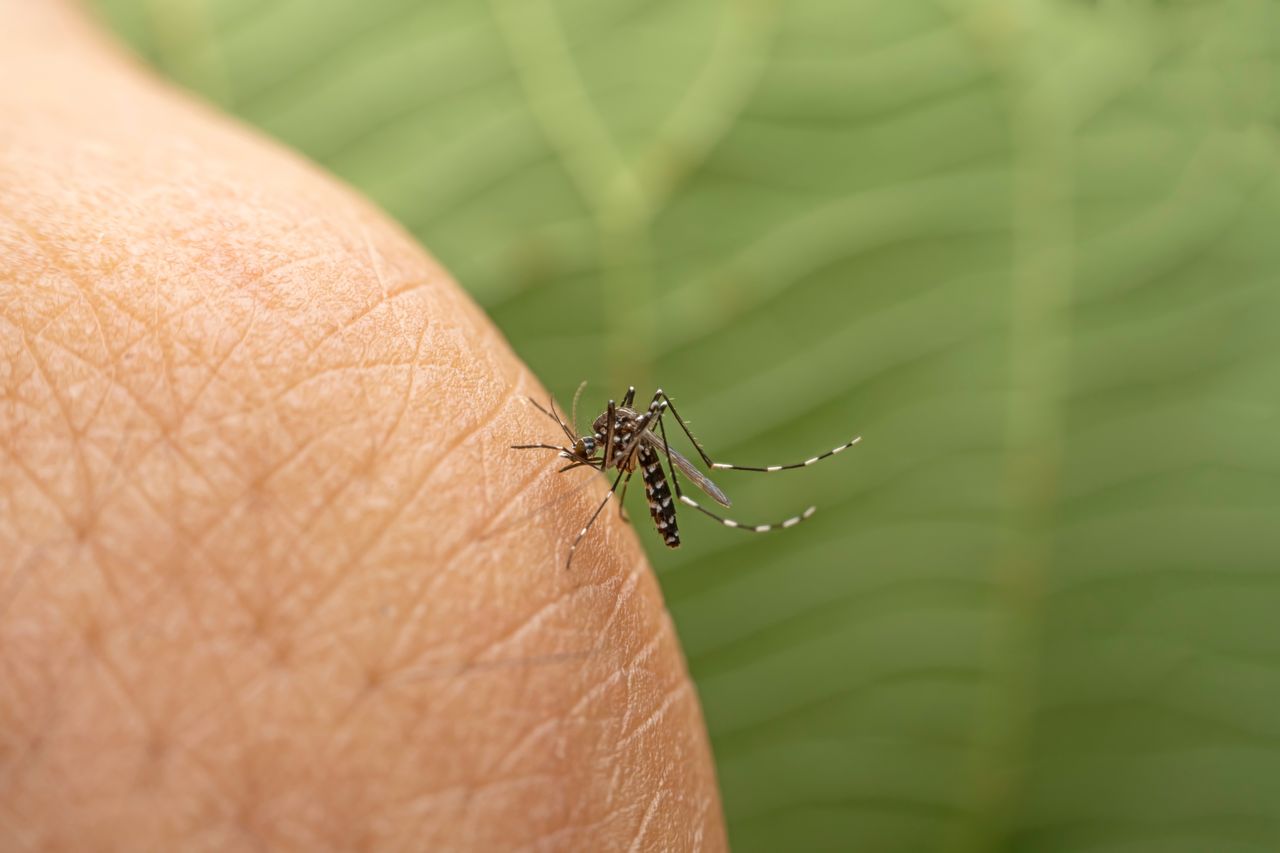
(1027,249)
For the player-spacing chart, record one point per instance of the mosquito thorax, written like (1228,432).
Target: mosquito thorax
(623,424)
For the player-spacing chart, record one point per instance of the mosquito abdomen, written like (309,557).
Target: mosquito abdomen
(658,494)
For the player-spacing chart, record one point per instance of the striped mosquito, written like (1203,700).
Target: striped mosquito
(627,439)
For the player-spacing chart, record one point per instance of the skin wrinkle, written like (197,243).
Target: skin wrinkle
(449,552)
(673,695)
(527,624)
(548,727)
(83,289)
(552,725)
(165,435)
(466,433)
(195,541)
(271,577)
(644,821)
(383,528)
(529,621)
(197,545)
(80,527)
(354,476)
(110,372)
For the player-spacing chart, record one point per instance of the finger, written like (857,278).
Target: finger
(257,580)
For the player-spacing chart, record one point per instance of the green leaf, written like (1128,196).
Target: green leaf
(1028,250)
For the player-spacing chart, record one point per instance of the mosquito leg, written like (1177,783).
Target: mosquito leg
(753,528)
(540,408)
(608,435)
(705,458)
(590,463)
(592,520)
(556,418)
(724,466)
(675,481)
(629,397)
(566,453)
(556,415)
(622,501)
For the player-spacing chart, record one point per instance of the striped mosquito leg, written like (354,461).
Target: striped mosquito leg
(592,520)
(724,466)
(622,501)
(666,448)
(659,496)
(684,426)
(553,415)
(754,528)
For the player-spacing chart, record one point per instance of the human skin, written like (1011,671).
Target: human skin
(269,574)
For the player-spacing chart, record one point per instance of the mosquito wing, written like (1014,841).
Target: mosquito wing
(701,480)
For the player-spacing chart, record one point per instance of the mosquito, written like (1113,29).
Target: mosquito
(628,439)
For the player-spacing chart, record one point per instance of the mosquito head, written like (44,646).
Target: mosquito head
(585,447)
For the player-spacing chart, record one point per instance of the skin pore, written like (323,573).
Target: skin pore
(269,576)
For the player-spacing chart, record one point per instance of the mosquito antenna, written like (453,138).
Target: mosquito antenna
(570,433)
(556,418)
(573,412)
